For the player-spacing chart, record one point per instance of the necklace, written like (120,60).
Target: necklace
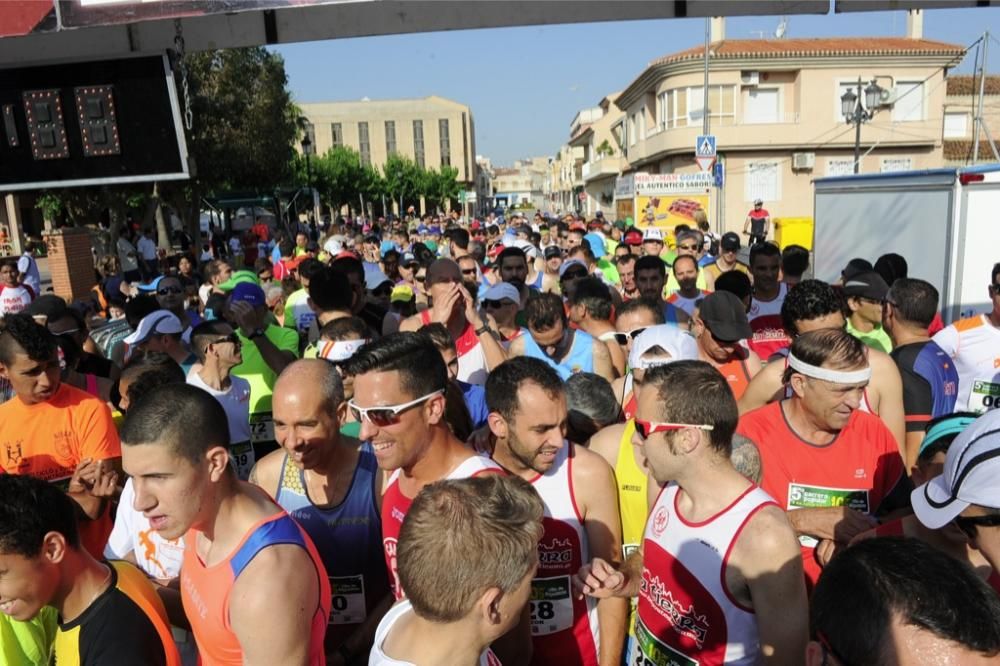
(100,588)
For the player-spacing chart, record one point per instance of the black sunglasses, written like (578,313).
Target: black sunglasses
(970,524)
(232,337)
(420,278)
(468,271)
(493,305)
(163,291)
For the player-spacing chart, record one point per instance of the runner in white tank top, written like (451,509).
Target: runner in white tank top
(685,611)
(378,657)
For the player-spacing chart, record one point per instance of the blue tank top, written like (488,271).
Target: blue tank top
(348,537)
(669,313)
(579,359)
(537,284)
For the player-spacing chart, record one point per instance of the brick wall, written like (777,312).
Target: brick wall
(70,262)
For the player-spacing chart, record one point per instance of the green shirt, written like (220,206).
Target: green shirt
(255,369)
(877,338)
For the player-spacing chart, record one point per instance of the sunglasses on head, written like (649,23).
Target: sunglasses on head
(386,415)
(163,291)
(647,428)
(969,525)
(232,337)
(623,338)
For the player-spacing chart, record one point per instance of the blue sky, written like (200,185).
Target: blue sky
(524,85)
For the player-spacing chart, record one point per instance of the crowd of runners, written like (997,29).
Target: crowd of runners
(527,440)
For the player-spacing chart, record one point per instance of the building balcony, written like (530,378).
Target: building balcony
(788,132)
(604,167)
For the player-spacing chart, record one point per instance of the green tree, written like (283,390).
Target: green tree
(404,181)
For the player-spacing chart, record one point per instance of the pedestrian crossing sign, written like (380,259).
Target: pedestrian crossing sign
(704,146)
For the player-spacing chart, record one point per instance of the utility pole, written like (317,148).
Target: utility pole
(708,29)
(980,122)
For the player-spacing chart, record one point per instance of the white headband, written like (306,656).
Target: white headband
(835,376)
(339,350)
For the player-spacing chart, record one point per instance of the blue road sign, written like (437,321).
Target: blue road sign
(704,146)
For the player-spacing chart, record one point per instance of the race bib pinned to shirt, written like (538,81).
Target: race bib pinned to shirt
(261,428)
(985,396)
(551,605)
(802,496)
(347,605)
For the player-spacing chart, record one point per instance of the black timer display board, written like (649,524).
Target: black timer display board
(90,123)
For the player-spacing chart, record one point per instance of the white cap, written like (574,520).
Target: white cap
(500,291)
(334,245)
(160,322)
(529,250)
(652,234)
(680,345)
(971,475)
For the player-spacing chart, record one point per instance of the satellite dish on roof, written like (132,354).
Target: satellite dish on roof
(782,28)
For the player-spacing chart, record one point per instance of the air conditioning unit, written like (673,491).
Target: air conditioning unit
(750,78)
(803,161)
(889,96)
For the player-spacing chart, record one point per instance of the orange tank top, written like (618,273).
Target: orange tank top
(205,591)
(737,375)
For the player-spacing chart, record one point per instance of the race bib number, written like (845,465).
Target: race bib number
(801,496)
(648,650)
(347,604)
(985,396)
(551,605)
(261,428)
(243,459)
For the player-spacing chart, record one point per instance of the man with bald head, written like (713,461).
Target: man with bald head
(451,304)
(331,485)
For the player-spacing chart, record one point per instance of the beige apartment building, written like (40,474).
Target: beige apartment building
(775,108)
(602,158)
(960,108)
(433,131)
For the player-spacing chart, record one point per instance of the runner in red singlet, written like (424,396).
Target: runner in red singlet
(253,586)
(528,417)
(718,576)
(484,533)
(769,334)
(830,465)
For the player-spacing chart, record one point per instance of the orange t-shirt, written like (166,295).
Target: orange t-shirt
(48,441)
(859,469)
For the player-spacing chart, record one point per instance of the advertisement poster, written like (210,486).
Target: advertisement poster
(668,210)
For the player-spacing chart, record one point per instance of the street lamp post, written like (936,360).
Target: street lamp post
(858,110)
(306,149)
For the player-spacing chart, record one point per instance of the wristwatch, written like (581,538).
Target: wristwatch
(257,332)
(485,328)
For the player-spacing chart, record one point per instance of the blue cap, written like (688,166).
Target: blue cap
(953,425)
(248,293)
(152,286)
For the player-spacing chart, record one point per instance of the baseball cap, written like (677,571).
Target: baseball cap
(494,251)
(407,259)
(730,241)
(401,294)
(677,343)
(47,305)
(577,226)
(595,224)
(725,316)
(970,475)
(599,214)
(652,234)
(334,245)
(248,293)
(632,237)
(866,285)
(151,286)
(552,251)
(158,322)
(500,291)
(242,277)
(757,201)
(570,264)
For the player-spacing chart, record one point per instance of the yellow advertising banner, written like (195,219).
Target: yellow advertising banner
(668,210)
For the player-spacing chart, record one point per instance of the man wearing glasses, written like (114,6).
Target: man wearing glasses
(974,344)
(399,400)
(218,349)
(967,493)
(692,243)
(830,465)
(718,574)
(865,294)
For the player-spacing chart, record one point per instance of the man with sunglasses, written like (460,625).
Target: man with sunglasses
(967,492)
(895,601)
(727,260)
(553,257)
(162,331)
(218,350)
(528,419)
(865,297)
(399,399)
(831,466)
(974,345)
(632,319)
(691,243)
(501,302)
(718,575)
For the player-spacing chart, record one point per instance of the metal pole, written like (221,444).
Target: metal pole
(979,114)
(708,35)
(857,131)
